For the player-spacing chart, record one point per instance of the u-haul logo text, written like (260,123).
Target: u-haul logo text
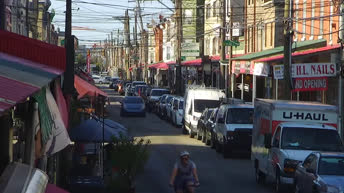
(306,116)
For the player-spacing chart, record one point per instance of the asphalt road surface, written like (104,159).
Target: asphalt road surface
(217,175)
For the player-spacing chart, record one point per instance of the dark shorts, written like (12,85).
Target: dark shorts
(181,182)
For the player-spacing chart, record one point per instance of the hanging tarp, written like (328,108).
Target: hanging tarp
(59,137)
(61,103)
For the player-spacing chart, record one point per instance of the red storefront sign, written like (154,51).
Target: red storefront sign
(310,84)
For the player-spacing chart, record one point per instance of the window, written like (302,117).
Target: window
(304,15)
(214,9)
(331,166)
(208,11)
(214,46)
(296,18)
(276,140)
(168,53)
(321,27)
(266,34)
(272,34)
(239,116)
(312,22)
(201,104)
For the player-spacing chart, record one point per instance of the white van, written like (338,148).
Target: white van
(196,100)
(233,129)
(286,132)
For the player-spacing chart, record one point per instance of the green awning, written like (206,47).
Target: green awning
(304,45)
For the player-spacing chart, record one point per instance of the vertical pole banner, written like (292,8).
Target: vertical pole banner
(88,61)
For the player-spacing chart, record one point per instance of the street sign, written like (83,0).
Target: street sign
(231,43)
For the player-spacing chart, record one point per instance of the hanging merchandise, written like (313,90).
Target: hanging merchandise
(44,114)
(59,138)
(37,131)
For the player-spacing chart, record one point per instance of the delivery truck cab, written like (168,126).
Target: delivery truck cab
(286,132)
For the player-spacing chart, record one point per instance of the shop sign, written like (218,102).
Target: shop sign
(313,70)
(310,84)
(279,72)
(190,49)
(261,69)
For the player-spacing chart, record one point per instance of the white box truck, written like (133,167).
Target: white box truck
(196,99)
(286,132)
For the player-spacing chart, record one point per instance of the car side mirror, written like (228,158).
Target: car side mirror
(310,170)
(267,140)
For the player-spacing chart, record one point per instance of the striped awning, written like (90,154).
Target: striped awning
(21,78)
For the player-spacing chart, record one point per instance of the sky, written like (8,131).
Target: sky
(97,16)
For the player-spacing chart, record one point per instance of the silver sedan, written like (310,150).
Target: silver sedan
(320,173)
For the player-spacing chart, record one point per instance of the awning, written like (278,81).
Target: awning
(51,188)
(21,78)
(160,65)
(33,50)
(279,50)
(84,88)
(131,68)
(316,50)
(195,62)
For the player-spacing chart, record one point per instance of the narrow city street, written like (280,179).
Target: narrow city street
(217,175)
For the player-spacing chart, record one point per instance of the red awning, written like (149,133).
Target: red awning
(33,50)
(51,188)
(196,62)
(302,53)
(160,65)
(171,63)
(131,69)
(84,88)
(21,78)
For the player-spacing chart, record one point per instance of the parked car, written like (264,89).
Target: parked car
(320,172)
(160,104)
(128,90)
(202,122)
(140,90)
(210,129)
(122,86)
(134,84)
(169,108)
(163,109)
(107,79)
(113,81)
(289,131)
(154,97)
(233,129)
(98,80)
(196,100)
(178,111)
(132,105)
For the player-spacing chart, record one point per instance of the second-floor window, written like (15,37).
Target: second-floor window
(208,11)
(168,53)
(214,9)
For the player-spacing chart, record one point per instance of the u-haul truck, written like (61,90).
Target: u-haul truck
(286,132)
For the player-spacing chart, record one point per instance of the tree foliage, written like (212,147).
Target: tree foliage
(128,157)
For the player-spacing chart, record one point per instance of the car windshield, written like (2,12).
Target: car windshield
(181,104)
(201,104)
(133,100)
(159,92)
(209,113)
(311,139)
(138,83)
(168,100)
(240,116)
(331,166)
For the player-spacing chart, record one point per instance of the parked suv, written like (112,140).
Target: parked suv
(154,97)
(234,123)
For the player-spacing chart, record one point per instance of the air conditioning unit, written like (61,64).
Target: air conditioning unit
(22,178)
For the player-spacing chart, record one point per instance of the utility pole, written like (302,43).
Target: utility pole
(340,78)
(2,15)
(223,77)
(127,43)
(68,82)
(288,13)
(179,80)
(230,55)
(136,46)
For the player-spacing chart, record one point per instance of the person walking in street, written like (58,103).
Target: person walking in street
(184,174)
